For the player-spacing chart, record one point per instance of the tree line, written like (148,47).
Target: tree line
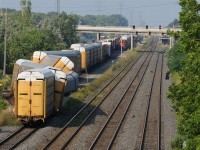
(28,32)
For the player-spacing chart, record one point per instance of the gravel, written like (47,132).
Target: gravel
(127,136)
(169,120)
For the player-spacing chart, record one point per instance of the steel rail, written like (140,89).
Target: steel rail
(123,117)
(11,136)
(159,107)
(141,147)
(26,137)
(121,99)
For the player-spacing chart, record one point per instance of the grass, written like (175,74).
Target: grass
(7,118)
(74,102)
(162,47)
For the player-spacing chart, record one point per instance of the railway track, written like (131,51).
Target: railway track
(108,133)
(151,128)
(17,138)
(69,134)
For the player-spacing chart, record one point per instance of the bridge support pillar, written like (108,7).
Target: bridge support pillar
(132,40)
(98,36)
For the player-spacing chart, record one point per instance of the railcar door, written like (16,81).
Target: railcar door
(24,96)
(37,98)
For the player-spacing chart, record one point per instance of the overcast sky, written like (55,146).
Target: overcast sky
(138,12)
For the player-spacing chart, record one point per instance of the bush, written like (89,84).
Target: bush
(3,105)
(176,59)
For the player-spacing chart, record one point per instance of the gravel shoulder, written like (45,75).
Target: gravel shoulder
(169,120)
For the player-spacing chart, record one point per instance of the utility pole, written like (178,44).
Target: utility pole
(5,45)
(58,7)
(120,5)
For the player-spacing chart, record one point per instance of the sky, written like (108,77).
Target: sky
(138,12)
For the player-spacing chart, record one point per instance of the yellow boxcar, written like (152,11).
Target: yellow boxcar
(34,95)
(73,55)
(89,54)
(60,62)
(60,87)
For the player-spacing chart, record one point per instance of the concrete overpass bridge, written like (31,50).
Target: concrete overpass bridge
(118,29)
(123,30)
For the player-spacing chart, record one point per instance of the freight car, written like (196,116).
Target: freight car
(125,42)
(73,55)
(91,54)
(64,63)
(34,95)
(108,48)
(23,65)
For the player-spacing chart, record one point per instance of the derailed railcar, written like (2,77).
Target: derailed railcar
(61,82)
(34,95)
(63,63)
(73,55)
(24,65)
(72,82)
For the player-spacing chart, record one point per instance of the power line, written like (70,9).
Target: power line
(107,8)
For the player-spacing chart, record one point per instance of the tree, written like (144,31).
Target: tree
(26,11)
(186,95)
(24,43)
(103,20)
(174,23)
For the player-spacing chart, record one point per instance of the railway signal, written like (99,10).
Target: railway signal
(146,26)
(159,26)
(133,26)
(149,32)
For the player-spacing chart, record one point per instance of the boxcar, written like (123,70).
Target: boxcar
(34,95)
(23,65)
(73,55)
(91,54)
(63,63)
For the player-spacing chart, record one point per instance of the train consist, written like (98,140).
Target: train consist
(39,85)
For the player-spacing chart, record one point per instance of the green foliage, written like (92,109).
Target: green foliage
(28,32)
(177,144)
(3,105)
(102,20)
(186,95)
(176,59)
(25,42)
(173,23)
